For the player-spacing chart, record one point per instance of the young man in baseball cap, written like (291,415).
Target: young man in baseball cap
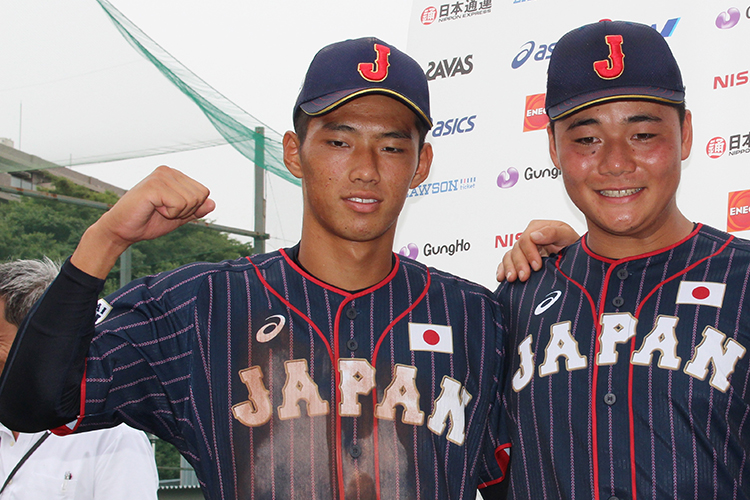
(332,369)
(630,373)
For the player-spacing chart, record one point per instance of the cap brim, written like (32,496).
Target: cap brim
(579,102)
(329,102)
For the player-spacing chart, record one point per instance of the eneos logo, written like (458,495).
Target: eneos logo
(535,117)
(738,214)
(716,147)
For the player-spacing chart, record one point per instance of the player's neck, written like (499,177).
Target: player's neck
(348,265)
(614,246)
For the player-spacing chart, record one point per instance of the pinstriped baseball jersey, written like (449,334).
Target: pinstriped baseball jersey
(276,385)
(629,378)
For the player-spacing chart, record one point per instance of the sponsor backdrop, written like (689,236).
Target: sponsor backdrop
(486,62)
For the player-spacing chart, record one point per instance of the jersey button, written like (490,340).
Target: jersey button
(351,313)
(355,451)
(610,399)
(618,301)
(352,345)
(622,273)
(613,498)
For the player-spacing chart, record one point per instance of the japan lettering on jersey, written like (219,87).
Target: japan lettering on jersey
(274,383)
(629,378)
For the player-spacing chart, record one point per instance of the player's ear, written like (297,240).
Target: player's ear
(292,149)
(552,145)
(423,167)
(687,134)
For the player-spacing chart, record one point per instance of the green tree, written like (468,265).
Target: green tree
(32,228)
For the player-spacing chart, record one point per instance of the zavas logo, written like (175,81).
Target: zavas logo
(613,66)
(548,302)
(411,251)
(508,178)
(738,216)
(447,69)
(377,71)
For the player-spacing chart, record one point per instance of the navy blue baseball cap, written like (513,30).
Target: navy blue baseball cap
(346,70)
(608,61)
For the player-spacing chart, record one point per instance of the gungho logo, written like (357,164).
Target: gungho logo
(508,178)
(531,174)
(730,18)
(410,250)
(453,248)
(535,116)
(738,215)
(455,11)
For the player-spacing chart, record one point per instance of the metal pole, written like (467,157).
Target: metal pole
(259,244)
(126,267)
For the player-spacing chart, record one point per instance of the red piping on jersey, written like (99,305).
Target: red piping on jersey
(643,255)
(64,430)
(334,354)
(349,295)
(503,458)
(291,306)
(375,362)
(594,376)
(631,417)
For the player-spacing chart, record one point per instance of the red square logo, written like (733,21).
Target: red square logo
(738,214)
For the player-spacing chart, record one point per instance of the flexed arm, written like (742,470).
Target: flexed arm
(41,382)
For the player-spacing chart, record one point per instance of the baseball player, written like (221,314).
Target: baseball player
(629,373)
(333,369)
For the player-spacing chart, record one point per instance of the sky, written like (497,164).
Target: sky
(254,53)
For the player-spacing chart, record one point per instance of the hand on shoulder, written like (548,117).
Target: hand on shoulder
(540,239)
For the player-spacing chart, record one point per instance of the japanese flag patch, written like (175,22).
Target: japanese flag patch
(433,338)
(701,293)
